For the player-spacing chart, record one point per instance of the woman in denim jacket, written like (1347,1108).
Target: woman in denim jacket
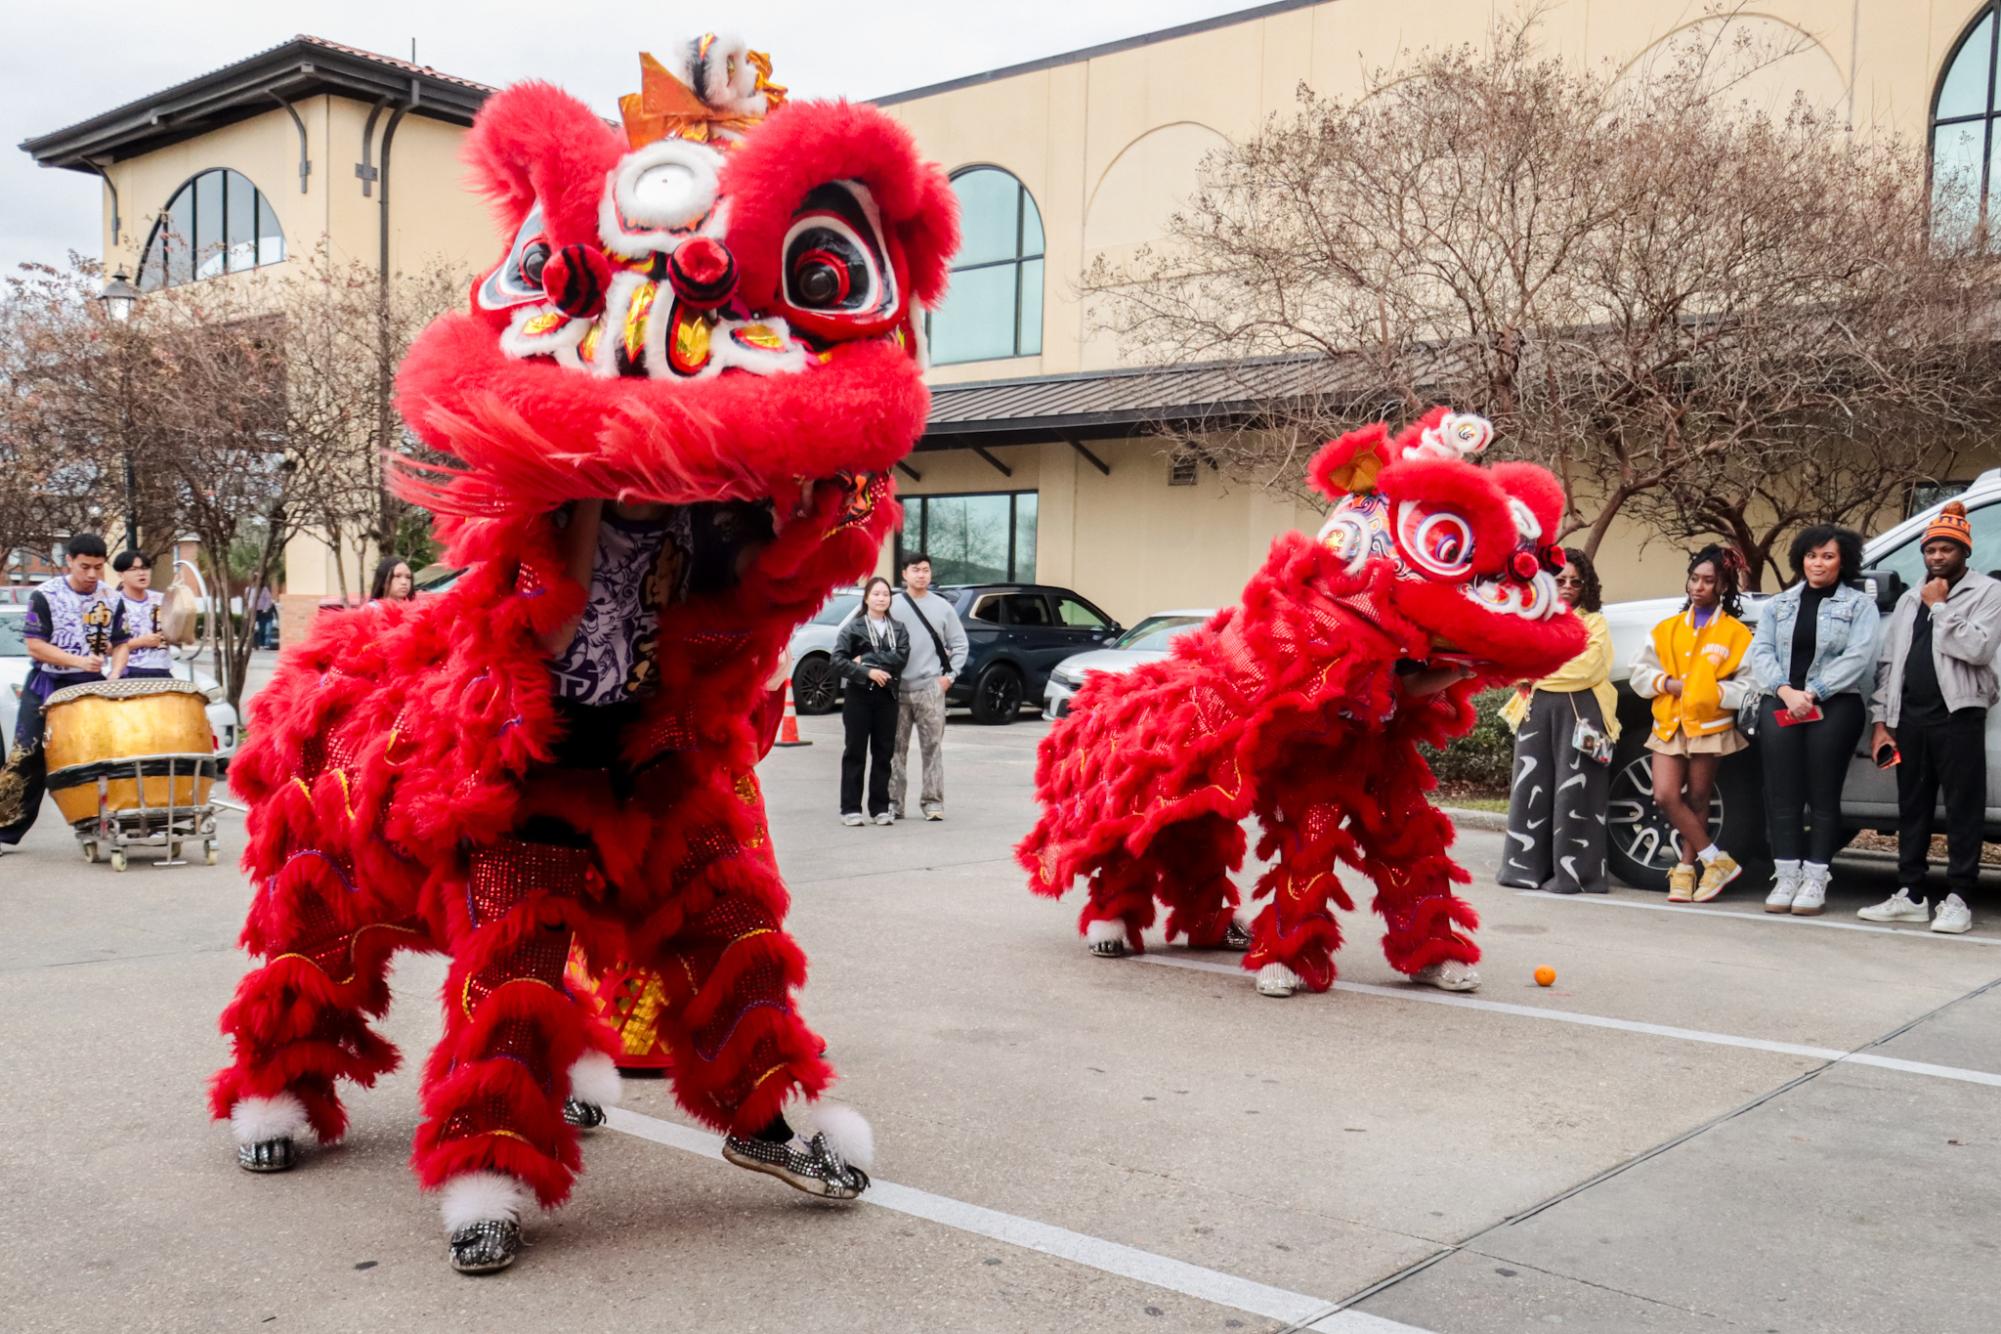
(1814,653)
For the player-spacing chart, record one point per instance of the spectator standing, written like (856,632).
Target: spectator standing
(138,647)
(1934,686)
(68,629)
(1812,657)
(266,608)
(1689,670)
(937,654)
(1565,726)
(870,651)
(392,581)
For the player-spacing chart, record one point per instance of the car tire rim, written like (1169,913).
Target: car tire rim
(1003,694)
(813,687)
(1637,827)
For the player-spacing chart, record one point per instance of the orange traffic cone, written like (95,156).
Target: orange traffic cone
(788,727)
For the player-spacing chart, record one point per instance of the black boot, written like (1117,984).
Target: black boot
(583,1115)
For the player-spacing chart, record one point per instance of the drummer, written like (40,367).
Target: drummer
(138,647)
(69,638)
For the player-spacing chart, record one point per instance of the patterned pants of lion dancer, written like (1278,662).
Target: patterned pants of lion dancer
(695,895)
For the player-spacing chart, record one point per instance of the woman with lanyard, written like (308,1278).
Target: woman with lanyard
(870,652)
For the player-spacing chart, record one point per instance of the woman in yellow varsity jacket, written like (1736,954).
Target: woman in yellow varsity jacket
(1689,670)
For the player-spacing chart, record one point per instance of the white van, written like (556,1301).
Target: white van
(1642,846)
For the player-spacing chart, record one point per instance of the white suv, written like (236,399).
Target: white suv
(1642,845)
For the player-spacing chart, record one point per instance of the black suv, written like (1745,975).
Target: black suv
(1015,636)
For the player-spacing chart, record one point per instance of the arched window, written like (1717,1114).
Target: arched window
(994,306)
(1964,111)
(217,223)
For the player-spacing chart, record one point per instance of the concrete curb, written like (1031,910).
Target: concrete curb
(1493,822)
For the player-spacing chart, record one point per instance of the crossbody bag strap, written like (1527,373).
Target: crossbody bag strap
(943,660)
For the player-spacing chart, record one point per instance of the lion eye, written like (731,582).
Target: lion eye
(1437,543)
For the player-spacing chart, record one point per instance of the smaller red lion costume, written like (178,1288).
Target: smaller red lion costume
(716,313)
(1291,707)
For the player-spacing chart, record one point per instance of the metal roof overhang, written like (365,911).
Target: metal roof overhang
(301,67)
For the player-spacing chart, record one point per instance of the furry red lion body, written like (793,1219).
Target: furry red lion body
(1289,707)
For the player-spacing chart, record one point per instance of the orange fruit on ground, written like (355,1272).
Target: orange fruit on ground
(1545,976)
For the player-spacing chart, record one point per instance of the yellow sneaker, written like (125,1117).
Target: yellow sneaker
(1681,884)
(1715,876)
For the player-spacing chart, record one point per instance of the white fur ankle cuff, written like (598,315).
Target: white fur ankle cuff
(257,1120)
(593,1078)
(1104,931)
(483,1197)
(847,1130)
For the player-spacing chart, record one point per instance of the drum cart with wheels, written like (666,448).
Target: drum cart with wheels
(114,829)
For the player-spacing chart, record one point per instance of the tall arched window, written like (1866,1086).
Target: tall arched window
(217,223)
(994,307)
(1964,144)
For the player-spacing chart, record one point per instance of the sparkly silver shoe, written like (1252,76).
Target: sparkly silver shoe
(266,1155)
(811,1166)
(1105,938)
(583,1115)
(486,1247)
(1237,936)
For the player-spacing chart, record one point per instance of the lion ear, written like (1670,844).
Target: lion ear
(1348,466)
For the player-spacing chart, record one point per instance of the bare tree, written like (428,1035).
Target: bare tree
(1702,316)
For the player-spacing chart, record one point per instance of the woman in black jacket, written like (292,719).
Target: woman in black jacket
(869,652)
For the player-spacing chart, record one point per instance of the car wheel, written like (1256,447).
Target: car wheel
(815,688)
(997,695)
(1641,845)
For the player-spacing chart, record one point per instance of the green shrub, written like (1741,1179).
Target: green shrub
(1484,758)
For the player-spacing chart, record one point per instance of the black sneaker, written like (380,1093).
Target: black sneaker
(1237,936)
(486,1247)
(811,1165)
(266,1155)
(583,1115)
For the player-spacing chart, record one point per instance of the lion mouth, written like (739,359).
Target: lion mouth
(1531,599)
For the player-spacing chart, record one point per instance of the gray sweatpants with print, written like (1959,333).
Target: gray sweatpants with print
(1556,808)
(919,709)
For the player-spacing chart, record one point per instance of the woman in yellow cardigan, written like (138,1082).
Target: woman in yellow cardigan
(1564,727)
(1689,670)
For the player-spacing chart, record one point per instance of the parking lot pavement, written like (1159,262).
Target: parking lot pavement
(1713,1120)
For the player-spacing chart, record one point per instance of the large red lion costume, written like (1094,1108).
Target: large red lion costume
(1303,706)
(718,310)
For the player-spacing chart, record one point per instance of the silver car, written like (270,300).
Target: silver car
(1146,642)
(816,686)
(1642,846)
(14,664)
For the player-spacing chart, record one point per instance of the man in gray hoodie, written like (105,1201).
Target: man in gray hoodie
(1933,689)
(937,655)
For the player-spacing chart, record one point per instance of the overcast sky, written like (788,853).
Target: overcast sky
(64,63)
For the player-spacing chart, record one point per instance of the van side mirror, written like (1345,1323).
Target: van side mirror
(1887,585)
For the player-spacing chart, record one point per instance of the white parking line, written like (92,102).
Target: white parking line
(1427,996)
(1688,909)
(1109,1257)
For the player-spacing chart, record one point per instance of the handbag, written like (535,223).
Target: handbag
(1587,740)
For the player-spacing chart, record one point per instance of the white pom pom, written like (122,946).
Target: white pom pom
(593,1078)
(847,1130)
(256,1120)
(482,1197)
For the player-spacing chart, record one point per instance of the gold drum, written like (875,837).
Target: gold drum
(124,731)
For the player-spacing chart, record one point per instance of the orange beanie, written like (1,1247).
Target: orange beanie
(1951,522)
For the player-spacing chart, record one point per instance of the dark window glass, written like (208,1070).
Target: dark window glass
(208,224)
(994,305)
(978,539)
(987,611)
(1030,609)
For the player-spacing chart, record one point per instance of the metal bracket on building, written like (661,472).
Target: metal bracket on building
(365,169)
(999,467)
(305,162)
(909,471)
(1090,458)
(117,223)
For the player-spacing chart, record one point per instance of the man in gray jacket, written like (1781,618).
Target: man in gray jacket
(937,654)
(1933,689)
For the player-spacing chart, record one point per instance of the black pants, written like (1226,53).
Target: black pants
(1951,756)
(1805,766)
(869,714)
(26,776)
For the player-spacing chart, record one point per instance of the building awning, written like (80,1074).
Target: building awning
(1118,404)
(302,67)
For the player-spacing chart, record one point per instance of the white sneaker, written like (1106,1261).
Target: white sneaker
(1785,886)
(1450,975)
(885,818)
(1953,916)
(1811,900)
(853,819)
(1275,979)
(1897,908)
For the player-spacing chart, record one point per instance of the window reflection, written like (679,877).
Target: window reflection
(217,223)
(1963,139)
(994,305)
(972,539)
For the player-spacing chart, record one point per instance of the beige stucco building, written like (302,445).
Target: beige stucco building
(1038,465)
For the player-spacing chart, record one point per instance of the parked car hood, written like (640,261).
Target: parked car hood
(1073,668)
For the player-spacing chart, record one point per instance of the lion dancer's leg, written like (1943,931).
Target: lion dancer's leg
(516,1045)
(1195,860)
(1294,938)
(1405,839)
(300,1022)
(1120,906)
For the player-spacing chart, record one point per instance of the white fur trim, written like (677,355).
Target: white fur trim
(595,1079)
(255,1120)
(1104,931)
(847,1130)
(479,1197)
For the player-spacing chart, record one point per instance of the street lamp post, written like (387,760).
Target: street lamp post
(119,297)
